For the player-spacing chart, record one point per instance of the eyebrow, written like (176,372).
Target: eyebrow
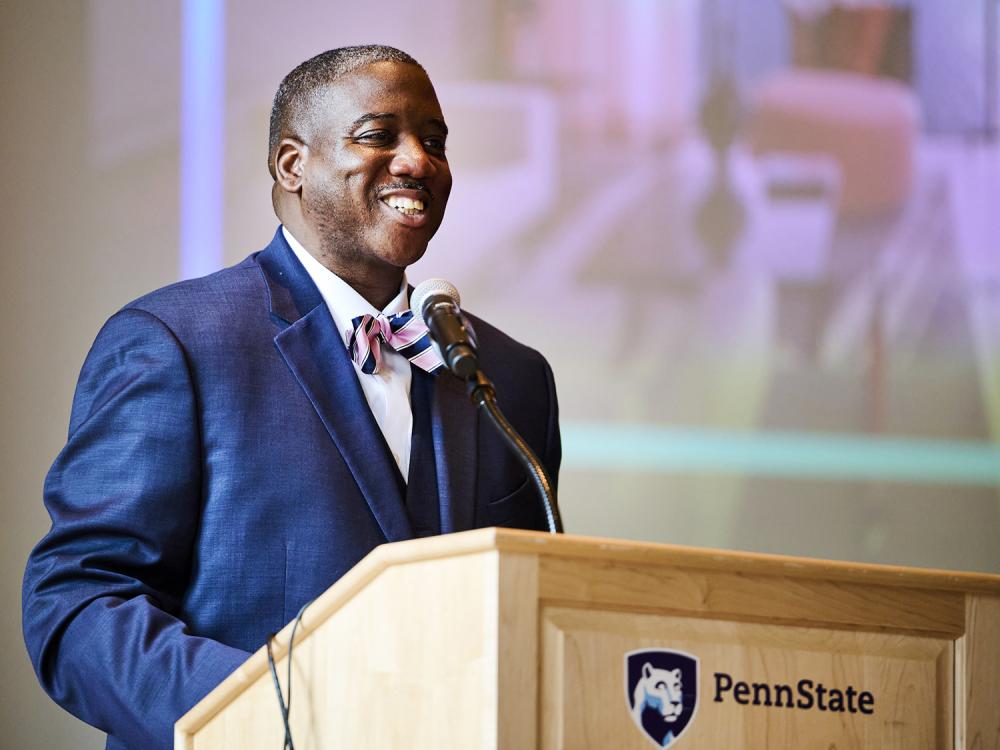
(369,116)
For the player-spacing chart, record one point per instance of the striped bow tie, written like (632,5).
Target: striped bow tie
(401,331)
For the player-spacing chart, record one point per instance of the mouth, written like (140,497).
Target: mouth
(407,206)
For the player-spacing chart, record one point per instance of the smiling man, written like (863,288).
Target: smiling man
(361,176)
(230,455)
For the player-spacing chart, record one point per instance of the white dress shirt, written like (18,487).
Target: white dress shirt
(388,390)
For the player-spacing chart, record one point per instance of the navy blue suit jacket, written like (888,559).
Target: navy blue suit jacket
(223,468)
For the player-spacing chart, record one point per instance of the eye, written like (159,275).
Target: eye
(374,137)
(435,144)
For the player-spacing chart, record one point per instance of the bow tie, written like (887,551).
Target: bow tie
(401,332)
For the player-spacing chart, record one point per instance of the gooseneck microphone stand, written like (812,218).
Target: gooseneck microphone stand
(436,302)
(484,396)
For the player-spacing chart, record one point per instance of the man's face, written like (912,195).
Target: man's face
(376,180)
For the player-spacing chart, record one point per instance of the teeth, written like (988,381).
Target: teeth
(407,206)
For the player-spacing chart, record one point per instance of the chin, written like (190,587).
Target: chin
(402,254)
(405,260)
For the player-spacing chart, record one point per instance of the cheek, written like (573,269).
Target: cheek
(320,183)
(338,173)
(446,181)
(342,194)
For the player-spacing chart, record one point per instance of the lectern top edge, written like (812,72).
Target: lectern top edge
(706,558)
(649,553)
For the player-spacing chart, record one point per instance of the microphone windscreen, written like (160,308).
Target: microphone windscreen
(432,288)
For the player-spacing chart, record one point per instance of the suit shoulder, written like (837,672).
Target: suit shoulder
(224,292)
(499,347)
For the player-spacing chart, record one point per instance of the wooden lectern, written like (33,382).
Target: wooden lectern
(509,639)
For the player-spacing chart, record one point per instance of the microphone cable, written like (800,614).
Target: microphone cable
(285,705)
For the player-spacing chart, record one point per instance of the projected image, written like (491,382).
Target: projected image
(756,244)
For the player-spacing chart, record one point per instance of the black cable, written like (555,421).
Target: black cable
(291,645)
(284,705)
(288,745)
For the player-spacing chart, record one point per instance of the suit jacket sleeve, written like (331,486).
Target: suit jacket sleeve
(102,587)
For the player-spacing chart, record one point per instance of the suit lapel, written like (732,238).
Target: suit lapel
(315,353)
(454,430)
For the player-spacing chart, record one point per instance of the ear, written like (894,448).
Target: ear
(289,162)
(677,673)
(647,670)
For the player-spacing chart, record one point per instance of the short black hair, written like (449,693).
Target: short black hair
(296,89)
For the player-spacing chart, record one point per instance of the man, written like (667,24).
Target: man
(227,460)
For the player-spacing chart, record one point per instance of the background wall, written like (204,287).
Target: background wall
(761,368)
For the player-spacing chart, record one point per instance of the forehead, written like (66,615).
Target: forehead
(394,88)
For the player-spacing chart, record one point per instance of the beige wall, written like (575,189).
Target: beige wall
(61,277)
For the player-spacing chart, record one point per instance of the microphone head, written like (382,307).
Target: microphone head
(428,289)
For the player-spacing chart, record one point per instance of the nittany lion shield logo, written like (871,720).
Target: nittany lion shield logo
(661,688)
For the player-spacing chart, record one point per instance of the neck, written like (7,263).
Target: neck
(376,282)
(378,289)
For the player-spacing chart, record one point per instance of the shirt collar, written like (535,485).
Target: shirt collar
(344,303)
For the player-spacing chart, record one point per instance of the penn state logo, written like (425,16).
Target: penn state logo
(661,688)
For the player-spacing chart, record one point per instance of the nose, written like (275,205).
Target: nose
(411,159)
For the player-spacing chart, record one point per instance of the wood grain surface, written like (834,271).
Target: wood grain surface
(507,639)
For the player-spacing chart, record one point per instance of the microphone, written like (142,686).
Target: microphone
(436,303)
